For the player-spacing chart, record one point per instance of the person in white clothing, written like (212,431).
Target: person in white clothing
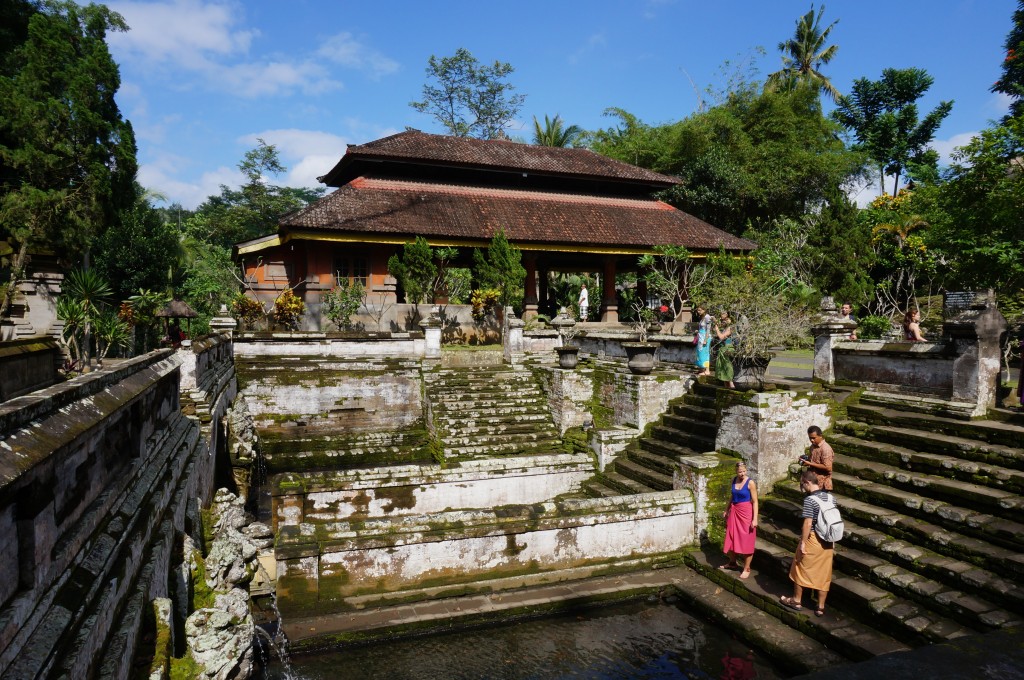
(584,300)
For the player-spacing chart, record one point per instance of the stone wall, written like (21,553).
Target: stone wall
(318,568)
(312,343)
(99,477)
(769,430)
(27,365)
(674,349)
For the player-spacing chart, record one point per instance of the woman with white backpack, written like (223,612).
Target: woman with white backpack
(812,561)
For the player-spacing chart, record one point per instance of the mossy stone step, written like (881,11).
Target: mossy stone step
(997,477)
(346,459)
(595,489)
(660,463)
(458,429)
(471,420)
(936,442)
(999,531)
(698,401)
(697,428)
(648,477)
(998,502)
(529,435)
(704,414)
(905,620)
(624,485)
(992,431)
(838,631)
(545,447)
(493,410)
(919,574)
(661,447)
(483,405)
(681,438)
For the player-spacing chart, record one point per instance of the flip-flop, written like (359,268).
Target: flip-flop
(729,567)
(745,574)
(819,612)
(791,603)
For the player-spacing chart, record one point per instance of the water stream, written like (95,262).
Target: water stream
(643,640)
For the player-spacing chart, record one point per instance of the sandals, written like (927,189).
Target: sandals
(819,612)
(791,603)
(745,574)
(729,566)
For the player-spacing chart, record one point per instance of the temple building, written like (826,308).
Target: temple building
(567,210)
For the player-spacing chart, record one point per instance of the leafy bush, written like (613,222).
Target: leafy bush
(288,309)
(484,302)
(342,302)
(873,327)
(247,309)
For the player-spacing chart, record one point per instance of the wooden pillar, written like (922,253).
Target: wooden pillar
(610,313)
(542,274)
(530,298)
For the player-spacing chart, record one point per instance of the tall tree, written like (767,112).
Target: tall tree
(68,158)
(415,271)
(555,133)
(468,98)
(1012,81)
(883,117)
(252,210)
(502,270)
(804,54)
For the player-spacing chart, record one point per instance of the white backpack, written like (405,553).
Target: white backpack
(829,526)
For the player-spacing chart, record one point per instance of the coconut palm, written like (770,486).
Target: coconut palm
(554,133)
(804,54)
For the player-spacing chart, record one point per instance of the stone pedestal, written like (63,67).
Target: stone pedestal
(826,335)
(975,334)
(223,322)
(513,340)
(432,334)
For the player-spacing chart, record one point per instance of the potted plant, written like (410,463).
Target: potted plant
(766,315)
(568,353)
(641,355)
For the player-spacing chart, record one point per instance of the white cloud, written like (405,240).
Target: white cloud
(999,103)
(593,43)
(205,38)
(161,175)
(345,50)
(945,147)
(308,154)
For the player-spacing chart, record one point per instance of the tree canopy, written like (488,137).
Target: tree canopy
(67,157)
(804,54)
(468,98)
(883,117)
(1011,82)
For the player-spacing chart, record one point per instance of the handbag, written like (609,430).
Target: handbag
(696,338)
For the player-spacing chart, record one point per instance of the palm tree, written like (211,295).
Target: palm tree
(553,133)
(804,54)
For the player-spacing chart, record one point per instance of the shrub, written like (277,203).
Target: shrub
(873,327)
(342,302)
(288,309)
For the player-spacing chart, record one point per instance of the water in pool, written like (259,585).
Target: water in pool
(636,640)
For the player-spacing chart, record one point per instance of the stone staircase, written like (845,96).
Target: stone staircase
(489,411)
(647,464)
(934,515)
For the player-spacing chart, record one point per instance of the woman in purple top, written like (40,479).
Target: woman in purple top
(741,521)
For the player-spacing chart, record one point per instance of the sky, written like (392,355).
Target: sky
(203,80)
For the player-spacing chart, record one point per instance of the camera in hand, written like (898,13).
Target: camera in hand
(805,457)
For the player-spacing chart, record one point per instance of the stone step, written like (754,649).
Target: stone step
(531,436)
(499,410)
(698,401)
(907,621)
(544,447)
(994,476)
(998,502)
(1001,532)
(470,420)
(508,401)
(595,489)
(930,405)
(663,464)
(645,475)
(991,431)
(458,430)
(624,485)
(703,429)
(1006,415)
(934,442)
(838,631)
(345,459)
(704,414)
(669,449)
(950,543)
(680,438)
(919,572)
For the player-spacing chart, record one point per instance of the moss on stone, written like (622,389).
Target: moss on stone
(202,594)
(185,668)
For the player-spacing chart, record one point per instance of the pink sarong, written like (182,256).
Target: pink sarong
(739,537)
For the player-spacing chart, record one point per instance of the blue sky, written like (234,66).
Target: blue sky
(203,79)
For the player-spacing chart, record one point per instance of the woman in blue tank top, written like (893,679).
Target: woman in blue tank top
(741,521)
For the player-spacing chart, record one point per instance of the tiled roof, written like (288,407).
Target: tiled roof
(391,207)
(420,147)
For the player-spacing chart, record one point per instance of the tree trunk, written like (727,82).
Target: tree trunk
(895,184)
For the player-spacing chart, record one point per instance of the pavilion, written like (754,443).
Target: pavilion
(567,210)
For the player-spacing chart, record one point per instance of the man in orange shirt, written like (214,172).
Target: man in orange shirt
(820,457)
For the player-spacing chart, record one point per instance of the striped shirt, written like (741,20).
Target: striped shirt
(811,508)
